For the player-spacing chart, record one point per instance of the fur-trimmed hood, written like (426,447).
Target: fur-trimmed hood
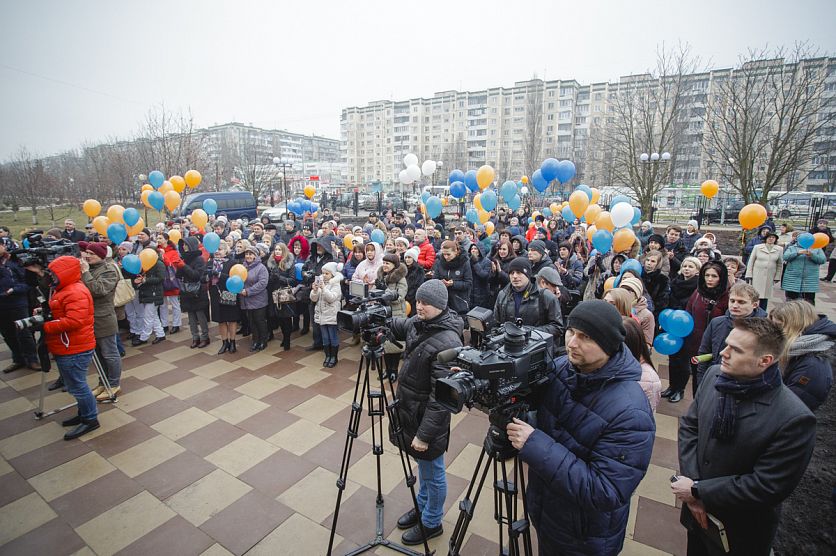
(395,276)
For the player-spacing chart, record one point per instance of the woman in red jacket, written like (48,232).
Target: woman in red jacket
(71,340)
(171,287)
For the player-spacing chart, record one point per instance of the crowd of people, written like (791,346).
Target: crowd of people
(540,271)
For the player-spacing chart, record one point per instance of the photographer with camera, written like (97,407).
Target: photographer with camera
(14,305)
(425,424)
(522,299)
(593,440)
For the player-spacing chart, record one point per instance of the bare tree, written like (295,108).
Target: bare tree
(30,180)
(254,167)
(764,118)
(647,113)
(533,138)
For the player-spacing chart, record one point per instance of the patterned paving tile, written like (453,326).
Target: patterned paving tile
(23,515)
(246,521)
(206,497)
(174,475)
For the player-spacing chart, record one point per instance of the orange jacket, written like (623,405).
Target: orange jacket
(71,329)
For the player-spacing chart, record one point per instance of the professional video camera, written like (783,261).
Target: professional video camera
(373,310)
(43,251)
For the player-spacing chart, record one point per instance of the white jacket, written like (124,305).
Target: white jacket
(328,301)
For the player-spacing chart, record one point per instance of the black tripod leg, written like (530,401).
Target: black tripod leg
(467,506)
(523,526)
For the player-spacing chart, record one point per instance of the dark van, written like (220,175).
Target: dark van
(234,204)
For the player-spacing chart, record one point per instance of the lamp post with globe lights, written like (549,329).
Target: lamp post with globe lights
(284,165)
(652,165)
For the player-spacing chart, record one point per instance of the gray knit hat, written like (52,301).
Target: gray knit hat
(412,252)
(550,275)
(432,292)
(538,246)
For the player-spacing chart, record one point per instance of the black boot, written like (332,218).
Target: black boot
(232,347)
(224,347)
(83,428)
(335,350)
(391,361)
(327,361)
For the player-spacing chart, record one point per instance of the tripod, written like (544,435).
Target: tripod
(111,397)
(498,450)
(371,360)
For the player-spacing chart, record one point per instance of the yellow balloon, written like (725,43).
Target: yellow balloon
(146,187)
(596,195)
(444,201)
(524,179)
(178,183)
(174,236)
(592,212)
(489,227)
(136,228)
(193,178)
(623,240)
(408,307)
(485,176)
(148,258)
(200,218)
(590,231)
(564,204)
(604,221)
(144,197)
(535,214)
(348,241)
(578,201)
(820,240)
(554,207)
(100,224)
(92,208)
(166,187)
(238,270)
(172,200)
(709,188)
(310,191)
(477,201)
(484,216)
(114,214)
(751,216)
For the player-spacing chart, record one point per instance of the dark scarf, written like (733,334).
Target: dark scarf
(682,288)
(731,392)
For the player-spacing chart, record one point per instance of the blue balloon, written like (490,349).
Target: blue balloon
(314,207)
(132,264)
(665,344)
(508,190)
(514,202)
(538,181)
(472,216)
(565,171)
(806,240)
(211,242)
(663,318)
(620,199)
(424,196)
(458,189)
(378,236)
(234,284)
(602,240)
(433,206)
(455,175)
(637,216)
(156,179)
(632,264)
(549,169)
(547,212)
(488,199)
(567,214)
(26,243)
(470,181)
(586,189)
(130,216)
(680,323)
(156,200)
(298,268)
(210,206)
(117,233)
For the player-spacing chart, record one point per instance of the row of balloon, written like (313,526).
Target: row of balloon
(813,241)
(477,182)
(750,217)
(413,172)
(677,325)
(301,206)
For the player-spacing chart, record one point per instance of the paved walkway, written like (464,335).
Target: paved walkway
(239,454)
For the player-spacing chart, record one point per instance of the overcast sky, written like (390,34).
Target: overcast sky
(87,70)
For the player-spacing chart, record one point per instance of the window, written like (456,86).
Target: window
(551,106)
(565,115)
(566,104)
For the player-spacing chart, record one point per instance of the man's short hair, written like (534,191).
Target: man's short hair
(769,337)
(742,289)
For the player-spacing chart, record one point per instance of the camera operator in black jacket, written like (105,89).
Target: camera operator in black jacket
(425,425)
(522,299)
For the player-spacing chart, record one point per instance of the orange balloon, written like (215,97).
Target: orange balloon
(604,221)
(348,241)
(172,200)
(578,202)
(114,214)
(709,188)
(174,236)
(477,201)
(590,231)
(408,307)
(820,240)
(524,179)
(596,195)
(144,197)
(484,216)
(200,218)
(592,212)
(622,240)
(489,227)
(100,224)
(444,201)
(146,187)
(193,178)
(178,183)
(485,176)
(238,270)
(136,228)
(166,187)
(752,215)
(92,208)
(148,257)
(609,284)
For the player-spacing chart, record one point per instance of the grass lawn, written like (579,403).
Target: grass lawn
(22,221)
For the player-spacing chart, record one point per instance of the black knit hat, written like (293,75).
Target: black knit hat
(600,321)
(538,246)
(520,264)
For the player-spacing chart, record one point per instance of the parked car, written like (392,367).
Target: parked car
(275,214)
(713,214)
(234,204)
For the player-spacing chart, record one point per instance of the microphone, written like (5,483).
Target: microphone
(447,355)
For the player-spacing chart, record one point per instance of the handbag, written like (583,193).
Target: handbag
(170,281)
(227,298)
(190,288)
(284,295)
(124,293)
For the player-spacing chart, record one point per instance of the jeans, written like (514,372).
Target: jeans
(198,318)
(119,345)
(432,490)
(150,322)
(173,302)
(21,343)
(108,353)
(330,335)
(73,369)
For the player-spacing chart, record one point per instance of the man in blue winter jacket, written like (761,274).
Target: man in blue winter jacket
(593,440)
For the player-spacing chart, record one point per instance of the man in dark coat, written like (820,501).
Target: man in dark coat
(70,232)
(425,425)
(14,305)
(674,248)
(593,440)
(522,299)
(743,445)
(538,256)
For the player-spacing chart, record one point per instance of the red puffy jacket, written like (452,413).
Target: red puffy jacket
(426,255)
(71,329)
(171,259)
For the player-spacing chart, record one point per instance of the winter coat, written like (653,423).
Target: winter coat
(101,280)
(13,277)
(193,269)
(70,331)
(681,290)
(538,308)
(646,319)
(366,271)
(426,255)
(255,286)
(574,271)
(714,338)
(151,290)
(658,288)
(643,236)
(279,278)
(394,281)
(414,278)
(590,450)
(305,247)
(523,249)
(499,277)
(801,274)
(764,267)
(651,385)
(419,414)
(703,309)
(350,266)
(327,301)
(457,270)
(480,270)
(752,243)
(809,373)
(171,260)
(688,240)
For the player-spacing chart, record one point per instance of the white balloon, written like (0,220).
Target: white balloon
(404,178)
(621,214)
(428,167)
(414,172)
(524,190)
(409,160)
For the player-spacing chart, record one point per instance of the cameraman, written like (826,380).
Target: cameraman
(14,305)
(594,442)
(425,425)
(522,299)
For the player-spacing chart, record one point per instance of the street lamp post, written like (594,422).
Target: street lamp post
(724,201)
(279,162)
(651,163)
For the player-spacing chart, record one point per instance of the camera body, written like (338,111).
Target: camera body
(373,310)
(43,251)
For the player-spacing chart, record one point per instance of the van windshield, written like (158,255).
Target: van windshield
(191,202)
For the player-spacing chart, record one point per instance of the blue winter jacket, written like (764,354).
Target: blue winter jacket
(588,454)
(714,339)
(13,277)
(809,373)
(802,272)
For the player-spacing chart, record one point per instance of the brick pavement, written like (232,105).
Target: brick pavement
(212,455)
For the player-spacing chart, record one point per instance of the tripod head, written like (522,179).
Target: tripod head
(496,442)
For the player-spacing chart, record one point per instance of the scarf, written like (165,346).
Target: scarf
(731,392)
(810,343)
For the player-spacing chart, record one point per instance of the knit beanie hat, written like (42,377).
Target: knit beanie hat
(97,248)
(432,292)
(392,258)
(402,240)
(657,238)
(632,283)
(600,321)
(333,267)
(413,253)
(537,245)
(127,245)
(520,264)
